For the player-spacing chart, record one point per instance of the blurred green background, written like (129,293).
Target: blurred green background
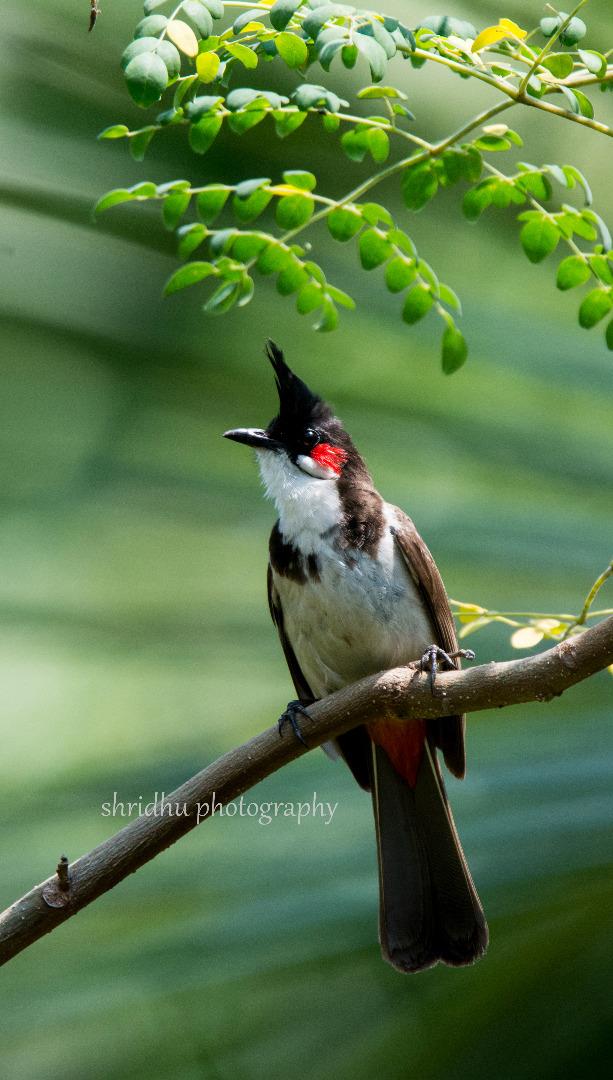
(135,643)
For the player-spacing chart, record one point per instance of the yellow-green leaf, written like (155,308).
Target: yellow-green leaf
(247,57)
(207,66)
(492,34)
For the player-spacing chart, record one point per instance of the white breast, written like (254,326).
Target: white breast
(362,615)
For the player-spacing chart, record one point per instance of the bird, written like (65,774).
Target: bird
(353,590)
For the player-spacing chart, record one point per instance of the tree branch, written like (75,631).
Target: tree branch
(402,694)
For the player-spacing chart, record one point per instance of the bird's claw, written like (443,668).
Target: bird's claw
(290,716)
(436,658)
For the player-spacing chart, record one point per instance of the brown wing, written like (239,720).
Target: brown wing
(447,732)
(302,688)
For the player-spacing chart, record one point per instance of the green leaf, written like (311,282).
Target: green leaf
(113,198)
(573,175)
(292,277)
(310,96)
(329,317)
(327,52)
(300,178)
(602,267)
(150,26)
(373,213)
(215,7)
(203,133)
(115,131)
(292,49)
(294,210)
(147,78)
(242,20)
(246,187)
(240,122)
(609,335)
(477,199)
(140,192)
(200,16)
(249,208)
(248,245)
(274,258)
(594,61)
(247,57)
(585,105)
(382,36)
(559,64)
(375,249)
(381,92)
(223,298)
(448,24)
(211,201)
(344,223)
(454,349)
(140,141)
(340,297)
(174,206)
(539,238)
(450,298)
(246,290)
(572,271)
(349,56)
(419,186)
(201,105)
(309,297)
(492,143)
(171,57)
(282,11)
(330,123)
(417,304)
(595,306)
(402,242)
(151,5)
(374,53)
(190,238)
(355,143)
(287,121)
(399,273)
(472,164)
(535,183)
(322,12)
(378,144)
(190,274)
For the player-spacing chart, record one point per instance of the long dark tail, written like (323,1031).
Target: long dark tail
(429,908)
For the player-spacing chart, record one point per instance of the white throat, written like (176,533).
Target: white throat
(307,506)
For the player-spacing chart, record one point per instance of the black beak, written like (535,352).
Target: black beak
(255,437)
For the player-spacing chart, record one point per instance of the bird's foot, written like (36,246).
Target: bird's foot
(290,716)
(436,659)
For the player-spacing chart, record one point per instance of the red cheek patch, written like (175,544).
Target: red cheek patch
(329,457)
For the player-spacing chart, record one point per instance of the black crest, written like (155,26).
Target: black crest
(299,407)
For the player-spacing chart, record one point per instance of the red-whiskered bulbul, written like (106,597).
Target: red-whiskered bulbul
(353,590)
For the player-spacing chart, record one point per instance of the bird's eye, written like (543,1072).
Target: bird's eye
(311,438)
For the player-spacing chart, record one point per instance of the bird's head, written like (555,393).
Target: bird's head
(304,437)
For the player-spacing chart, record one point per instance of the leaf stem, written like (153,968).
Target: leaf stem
(591,596)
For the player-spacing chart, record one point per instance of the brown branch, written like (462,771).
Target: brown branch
(402,694)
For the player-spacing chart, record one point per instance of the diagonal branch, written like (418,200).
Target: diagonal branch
(401,694)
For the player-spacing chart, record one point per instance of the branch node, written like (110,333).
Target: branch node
(57,893)
(568,654)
